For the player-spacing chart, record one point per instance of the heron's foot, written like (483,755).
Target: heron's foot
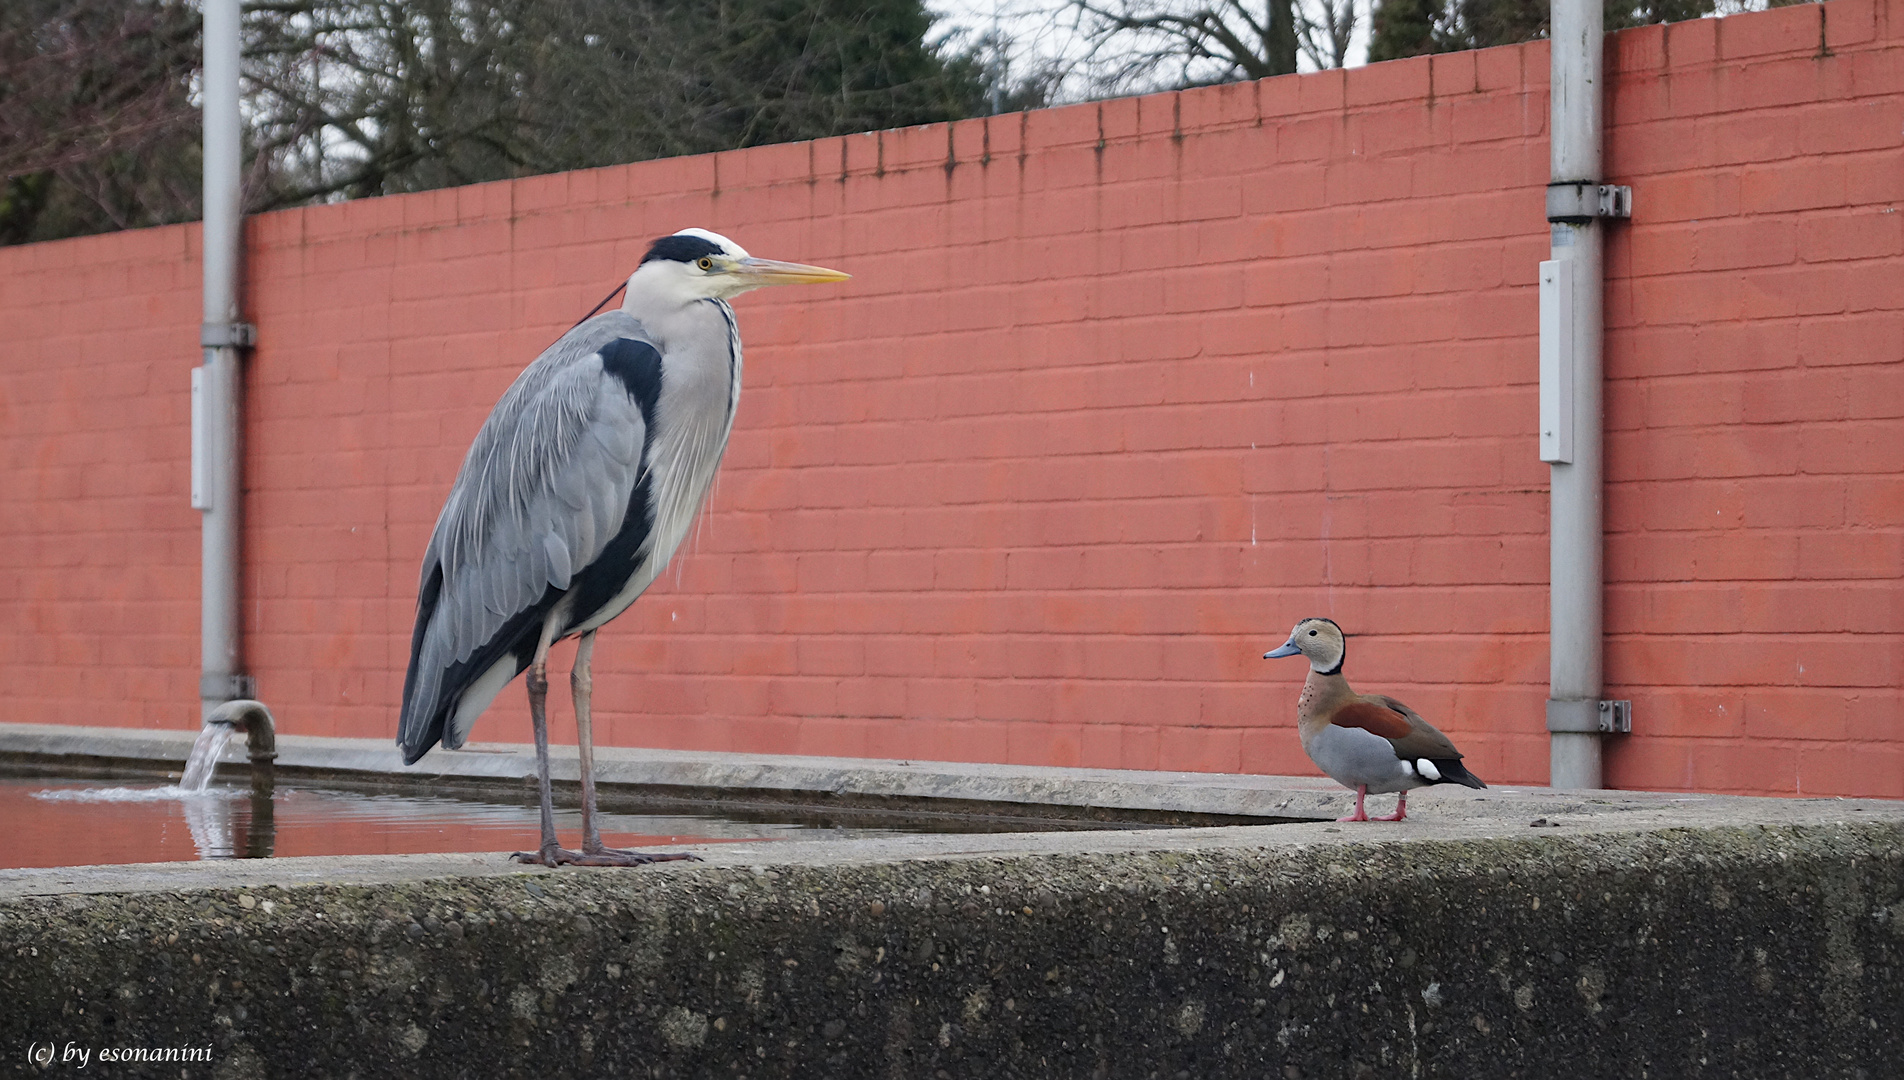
(608,856)
(548,856)
(605,857)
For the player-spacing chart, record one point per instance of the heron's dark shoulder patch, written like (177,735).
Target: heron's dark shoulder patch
(682,249)
(637,366)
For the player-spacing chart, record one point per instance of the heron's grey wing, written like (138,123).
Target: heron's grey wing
(546,485)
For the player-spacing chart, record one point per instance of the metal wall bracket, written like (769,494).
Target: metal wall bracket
(1588,717)
(1616,717)
(201,440)
(239,335)
(215,687)
(1556,361)
(1578,203)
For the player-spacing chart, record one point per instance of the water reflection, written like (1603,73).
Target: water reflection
(68,823)
(224,823)
(261,836)
(210,822)
(218,832)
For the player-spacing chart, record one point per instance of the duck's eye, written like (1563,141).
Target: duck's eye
(705,263)
(1312,633)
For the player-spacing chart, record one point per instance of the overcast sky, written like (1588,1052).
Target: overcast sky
(1037,29)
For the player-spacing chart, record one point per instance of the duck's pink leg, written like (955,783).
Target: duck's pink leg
(1361,792)
(1401,810)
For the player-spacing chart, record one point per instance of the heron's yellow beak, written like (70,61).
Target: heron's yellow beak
(758,272)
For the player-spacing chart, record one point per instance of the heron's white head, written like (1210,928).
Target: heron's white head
(695,264)
(1321,641)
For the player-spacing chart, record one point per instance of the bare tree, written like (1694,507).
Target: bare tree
(1103,48)
(362,97)
(1137,45)
(1015,77)
(1412,27)
(97,126)
(347,98)
(1327,31)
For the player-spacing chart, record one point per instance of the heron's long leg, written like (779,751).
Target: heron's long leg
(538,684)
(593,853)
(582,685)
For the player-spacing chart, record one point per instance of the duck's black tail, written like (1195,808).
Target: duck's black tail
(1453,772)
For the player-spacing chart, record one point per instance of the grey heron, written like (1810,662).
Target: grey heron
(578,489)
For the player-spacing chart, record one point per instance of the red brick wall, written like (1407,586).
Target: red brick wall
(1755,357)
(1119,392)
(99,547)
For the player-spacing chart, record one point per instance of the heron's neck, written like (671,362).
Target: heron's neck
(674,324)
(700,356)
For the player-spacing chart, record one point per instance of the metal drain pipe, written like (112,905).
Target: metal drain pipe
(261,738)
(217,387)
(1571,394)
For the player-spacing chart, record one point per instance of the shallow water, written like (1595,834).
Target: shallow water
(66,822)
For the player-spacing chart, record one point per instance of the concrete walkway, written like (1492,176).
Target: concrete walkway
(1446,814)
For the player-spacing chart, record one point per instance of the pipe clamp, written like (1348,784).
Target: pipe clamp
(1586,716)
(214,686)
(1578,202)
(238,335)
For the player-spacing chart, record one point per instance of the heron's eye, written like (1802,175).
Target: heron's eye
(705,263)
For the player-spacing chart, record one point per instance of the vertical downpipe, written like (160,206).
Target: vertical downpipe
(1575,555)
(217,387)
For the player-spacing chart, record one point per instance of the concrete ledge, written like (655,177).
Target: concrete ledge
(646,779)
(1627,934)
(641,779)
(1712,937)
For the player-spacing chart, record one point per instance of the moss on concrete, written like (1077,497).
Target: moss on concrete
(1761,952)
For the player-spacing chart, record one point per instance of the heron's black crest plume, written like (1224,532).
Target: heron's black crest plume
(680,248)
(600,306)
(676,248)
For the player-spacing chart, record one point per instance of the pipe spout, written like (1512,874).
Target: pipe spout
(261,738)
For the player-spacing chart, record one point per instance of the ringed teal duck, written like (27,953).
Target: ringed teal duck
(1369,742)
